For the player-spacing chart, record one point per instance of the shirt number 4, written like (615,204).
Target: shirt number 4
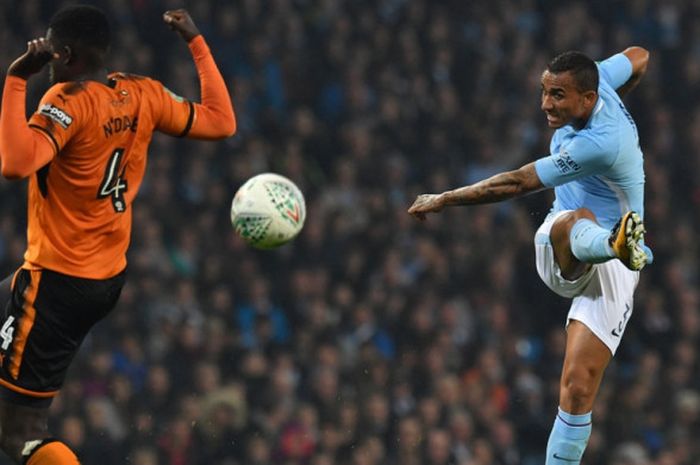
(113,184)
(7,332)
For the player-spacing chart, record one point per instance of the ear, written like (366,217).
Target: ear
(67,55)
(589,98)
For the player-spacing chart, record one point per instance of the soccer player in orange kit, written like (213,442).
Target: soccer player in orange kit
(84,152)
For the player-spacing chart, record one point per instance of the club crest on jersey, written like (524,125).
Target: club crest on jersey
(56,114)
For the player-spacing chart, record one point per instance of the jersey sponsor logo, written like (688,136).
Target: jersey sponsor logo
(565,164)
(56,114)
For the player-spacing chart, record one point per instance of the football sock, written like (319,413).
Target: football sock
(48,452)
(589,242)
(568,438)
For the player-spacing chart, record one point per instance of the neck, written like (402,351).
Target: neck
(99,75)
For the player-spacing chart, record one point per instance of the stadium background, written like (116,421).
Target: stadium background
(373,339)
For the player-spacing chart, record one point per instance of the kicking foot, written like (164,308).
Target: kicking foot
(627,241)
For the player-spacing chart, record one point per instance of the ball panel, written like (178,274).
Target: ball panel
(268,211)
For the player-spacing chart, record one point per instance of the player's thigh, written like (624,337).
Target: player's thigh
(46,321)
(605,306)
(570,266)
(547,265)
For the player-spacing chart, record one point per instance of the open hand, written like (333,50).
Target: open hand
(181,22)
(426,203)
(38,54)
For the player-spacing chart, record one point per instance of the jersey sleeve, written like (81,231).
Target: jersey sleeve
(58,117)
(22,150)
(173,114)
(214,116)
(616,70)
(580,158)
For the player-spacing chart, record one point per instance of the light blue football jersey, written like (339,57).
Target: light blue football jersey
(601,166)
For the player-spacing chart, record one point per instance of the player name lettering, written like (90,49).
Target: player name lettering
(119,124)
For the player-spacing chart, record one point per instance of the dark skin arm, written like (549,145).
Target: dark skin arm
(639,58)
(39,51)
(181,22)
(38,54)
(503,186)
(215,118)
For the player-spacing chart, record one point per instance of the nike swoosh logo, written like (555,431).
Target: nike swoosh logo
(556,456)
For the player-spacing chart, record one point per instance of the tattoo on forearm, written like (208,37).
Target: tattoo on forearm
(502,186)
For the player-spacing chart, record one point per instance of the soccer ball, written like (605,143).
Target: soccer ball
(268,211)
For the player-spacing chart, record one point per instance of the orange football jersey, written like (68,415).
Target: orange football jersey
(80,203)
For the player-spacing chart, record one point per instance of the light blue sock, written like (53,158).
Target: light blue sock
(568,438)
(589,242)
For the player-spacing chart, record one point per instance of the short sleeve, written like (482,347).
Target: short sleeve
(616,70)
(579,158)
(58,116)
(174,115)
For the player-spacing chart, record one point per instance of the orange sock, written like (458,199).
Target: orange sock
(52,453)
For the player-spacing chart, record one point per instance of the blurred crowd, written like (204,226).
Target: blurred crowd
(373,339)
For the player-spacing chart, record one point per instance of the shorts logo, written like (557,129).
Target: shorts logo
(617,332)
(56,114)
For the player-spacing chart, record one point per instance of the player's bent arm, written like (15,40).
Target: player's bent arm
(500,187)
(22,150)
(214,117)
(639,57)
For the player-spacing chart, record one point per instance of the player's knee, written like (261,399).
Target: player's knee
(561,229)
(566,221)
(578,386)
(582,213)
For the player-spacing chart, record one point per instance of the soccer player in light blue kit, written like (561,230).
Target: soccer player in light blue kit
(591,246)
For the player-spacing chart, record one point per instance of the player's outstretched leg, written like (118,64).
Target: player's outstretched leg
(579,241)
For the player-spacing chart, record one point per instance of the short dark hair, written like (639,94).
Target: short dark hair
(82,26)
(582,68)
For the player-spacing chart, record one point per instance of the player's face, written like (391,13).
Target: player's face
(562,101)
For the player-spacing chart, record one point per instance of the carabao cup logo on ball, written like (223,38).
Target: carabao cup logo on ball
(268,211)
(286,201)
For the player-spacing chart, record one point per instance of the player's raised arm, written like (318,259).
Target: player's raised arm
(22,149)
(639,57)
(213,118)
(500,187)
